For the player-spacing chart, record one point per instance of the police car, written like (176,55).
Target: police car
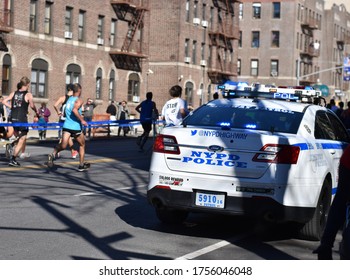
(271,154)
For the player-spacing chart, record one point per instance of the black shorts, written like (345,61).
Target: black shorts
(23,130)
(73,133)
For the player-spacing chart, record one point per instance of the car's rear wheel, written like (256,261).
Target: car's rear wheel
(313,229)
(171,216)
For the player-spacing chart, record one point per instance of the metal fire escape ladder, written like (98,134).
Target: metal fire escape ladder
(5,27)
(130,55)
(133,26)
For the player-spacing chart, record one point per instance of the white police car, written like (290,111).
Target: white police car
(256,156)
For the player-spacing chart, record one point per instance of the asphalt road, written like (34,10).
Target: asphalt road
(102,214)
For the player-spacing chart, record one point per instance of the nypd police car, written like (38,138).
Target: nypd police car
(272,155)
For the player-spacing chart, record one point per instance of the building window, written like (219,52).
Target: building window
(100,27)
(204,7)
(189,93)
(210,55)
(254,67)
(276,13)
(188,11)
(38,79)
(275,40)
(239,67)
(240,39)
(203,51)
(48,18)
(211,19)
(81,25)
(195,9)
(194,52)
(6,74)
(113,32)
(274,68)
(68,20)
(7,16)
(255,39)
(73,74)
(240,11)
(33,15)
(111,88)
(256,10)
(187,42)
(134,88)
(99,83)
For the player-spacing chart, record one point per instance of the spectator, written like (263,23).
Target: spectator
(174,109)
(333,107)
(112,111)
(43,118)
(88,111)
(336,216)
(123,114)
(346,116)
(215,96)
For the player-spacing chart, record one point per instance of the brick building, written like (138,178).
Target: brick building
(120,49)
(292,42)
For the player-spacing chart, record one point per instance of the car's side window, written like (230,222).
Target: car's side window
(338,128)
(323,127)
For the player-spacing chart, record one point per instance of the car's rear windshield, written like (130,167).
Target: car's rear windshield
(266,119)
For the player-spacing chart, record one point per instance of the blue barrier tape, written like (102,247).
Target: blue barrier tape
(92,124)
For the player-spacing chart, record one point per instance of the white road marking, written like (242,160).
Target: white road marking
(109,191)
(211,248)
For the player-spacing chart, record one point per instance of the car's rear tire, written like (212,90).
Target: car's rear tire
(313,229)
(171,216)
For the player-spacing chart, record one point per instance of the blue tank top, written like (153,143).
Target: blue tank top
(71,122)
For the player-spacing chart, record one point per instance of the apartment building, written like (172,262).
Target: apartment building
(293,42)
(118,50)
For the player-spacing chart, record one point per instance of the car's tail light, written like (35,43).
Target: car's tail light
(276,153)
(166,144)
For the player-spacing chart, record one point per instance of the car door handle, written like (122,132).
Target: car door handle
(332,152)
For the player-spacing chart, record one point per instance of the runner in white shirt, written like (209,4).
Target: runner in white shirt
(174,109)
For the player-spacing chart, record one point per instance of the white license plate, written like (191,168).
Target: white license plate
(210,200)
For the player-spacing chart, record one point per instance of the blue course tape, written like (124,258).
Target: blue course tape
(92,124)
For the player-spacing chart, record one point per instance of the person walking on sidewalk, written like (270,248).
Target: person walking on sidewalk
(60,106)
(20,101)
(72,127)
(147,110)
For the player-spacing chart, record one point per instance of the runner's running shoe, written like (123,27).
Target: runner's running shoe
(84,167)
(75,154)
(24,155)
(8,150)
(14,163)
(50,159)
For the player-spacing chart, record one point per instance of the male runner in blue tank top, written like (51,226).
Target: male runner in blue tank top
(73,126)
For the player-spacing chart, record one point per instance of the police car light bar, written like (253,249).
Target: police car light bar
(281,93)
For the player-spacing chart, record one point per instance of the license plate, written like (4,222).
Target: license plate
(210,200)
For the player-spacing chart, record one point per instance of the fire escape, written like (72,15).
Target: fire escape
(130,55)
(310,50)
(221,38)
(5,27)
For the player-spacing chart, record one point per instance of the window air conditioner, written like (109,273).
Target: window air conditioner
(136,99)
(196,21)
(205,23)
(187,59)
(100,41)
(68,35)
(203,63)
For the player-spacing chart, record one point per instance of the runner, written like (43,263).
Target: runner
(20,100)
(72,127)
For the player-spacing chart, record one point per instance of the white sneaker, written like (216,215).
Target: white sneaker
(24,155)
